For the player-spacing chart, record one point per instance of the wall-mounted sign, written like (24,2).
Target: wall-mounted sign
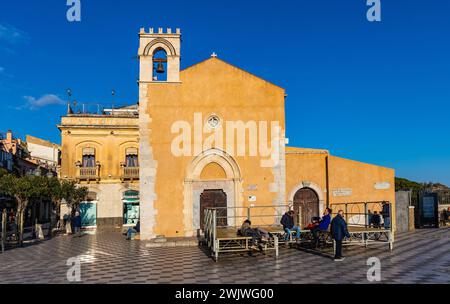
(382,186)
(342,192)
(252,198)
(252,187)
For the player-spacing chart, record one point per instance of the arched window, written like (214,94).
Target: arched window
(88,160)
(160,65)
(131,158)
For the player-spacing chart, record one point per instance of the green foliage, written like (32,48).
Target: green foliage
(403,184)
(33,189)
(21,188)
(3,172)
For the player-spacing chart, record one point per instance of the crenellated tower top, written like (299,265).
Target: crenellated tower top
(159,55)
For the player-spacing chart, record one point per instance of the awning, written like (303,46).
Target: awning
(131,151)
(88,151)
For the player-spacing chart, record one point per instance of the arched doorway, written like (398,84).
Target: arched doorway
(306,201)
(212,169)
(214,199)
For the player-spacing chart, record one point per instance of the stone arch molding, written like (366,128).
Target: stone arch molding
(220,157)
(159,43)
(194,187)
(312,186)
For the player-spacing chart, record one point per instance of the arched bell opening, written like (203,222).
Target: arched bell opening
(159,65)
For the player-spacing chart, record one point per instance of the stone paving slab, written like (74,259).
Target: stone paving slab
(418,257)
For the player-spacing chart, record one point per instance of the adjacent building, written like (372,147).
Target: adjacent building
(101,151)
(21,159)
(44,153)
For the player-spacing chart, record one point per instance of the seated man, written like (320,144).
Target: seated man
(132,231)
(257,235)
(375,221)
(288,225)
(323,225)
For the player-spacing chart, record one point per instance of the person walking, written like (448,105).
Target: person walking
(339,231)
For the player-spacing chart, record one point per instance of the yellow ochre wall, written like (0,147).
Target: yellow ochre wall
(361,178)
(308,168)
(110,136)
(210,87)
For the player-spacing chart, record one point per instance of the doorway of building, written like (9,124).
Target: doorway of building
(306,202)
(214,199)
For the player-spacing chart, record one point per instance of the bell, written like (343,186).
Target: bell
(160,68)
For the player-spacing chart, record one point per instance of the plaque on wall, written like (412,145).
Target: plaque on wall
(252,187)
(252,198)
(382,186)
(342,192)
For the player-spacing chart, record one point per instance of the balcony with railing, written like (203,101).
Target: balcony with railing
(129,173)
(88,173)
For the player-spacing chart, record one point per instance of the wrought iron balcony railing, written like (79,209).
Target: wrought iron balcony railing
(130,173)
(88,173)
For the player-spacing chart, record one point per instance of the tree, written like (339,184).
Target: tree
(79,196)
(23,189)
(72,194)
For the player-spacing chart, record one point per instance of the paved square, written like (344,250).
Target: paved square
(419,257)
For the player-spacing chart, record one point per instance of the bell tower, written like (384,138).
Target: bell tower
(159,55)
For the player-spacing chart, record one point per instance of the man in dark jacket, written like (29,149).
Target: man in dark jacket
(386,213)
(339,232)
(288,225)
(77,224)
(324,225)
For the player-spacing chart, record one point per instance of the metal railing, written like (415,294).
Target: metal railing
(258,215)
(357,213)
(88,173)
(131,173)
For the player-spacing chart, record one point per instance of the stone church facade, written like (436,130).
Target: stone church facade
(214,135)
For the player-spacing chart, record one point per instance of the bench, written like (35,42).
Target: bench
(227,240)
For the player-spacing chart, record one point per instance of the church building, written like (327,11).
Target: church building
(213,135)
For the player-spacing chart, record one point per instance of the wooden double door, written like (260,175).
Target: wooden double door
(306,201)
(214,199)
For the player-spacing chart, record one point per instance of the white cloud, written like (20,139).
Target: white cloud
(12,35)
(46,100)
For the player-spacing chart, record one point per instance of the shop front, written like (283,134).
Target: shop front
(88,212)
(130,208)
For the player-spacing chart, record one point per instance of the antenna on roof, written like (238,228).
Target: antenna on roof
(113,93)
(69,94)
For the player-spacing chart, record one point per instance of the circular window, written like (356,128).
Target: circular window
(214,121)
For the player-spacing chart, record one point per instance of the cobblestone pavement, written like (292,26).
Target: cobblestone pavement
(419,257)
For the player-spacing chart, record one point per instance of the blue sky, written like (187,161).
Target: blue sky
(374,92)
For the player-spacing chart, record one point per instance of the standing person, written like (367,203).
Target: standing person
(288,225)
(386,213)
(339,231)
(324,224)
(369,218)
(77,224)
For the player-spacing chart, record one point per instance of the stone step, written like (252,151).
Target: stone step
(173,242)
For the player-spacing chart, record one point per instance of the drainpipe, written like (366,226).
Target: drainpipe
(327,180)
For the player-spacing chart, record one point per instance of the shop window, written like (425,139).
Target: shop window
(131,207)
